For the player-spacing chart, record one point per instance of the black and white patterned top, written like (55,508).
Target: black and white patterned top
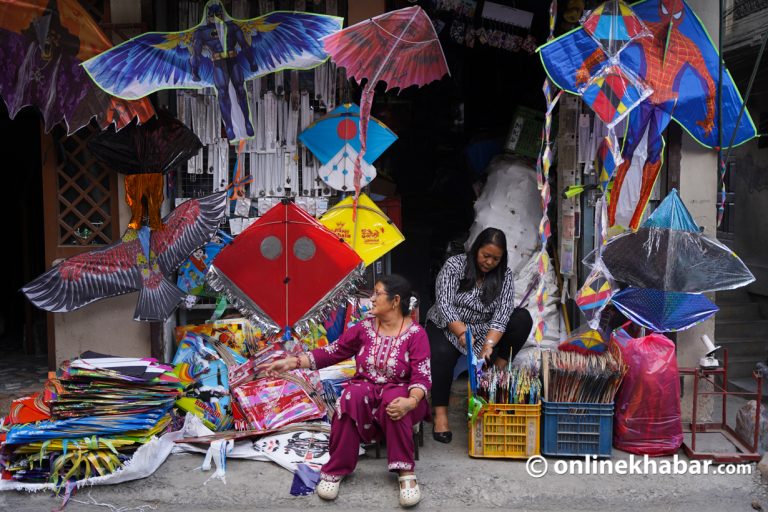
(452,305)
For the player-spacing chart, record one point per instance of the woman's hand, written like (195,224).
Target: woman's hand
(486,352)
(282,365)
(400,406)
(462,339)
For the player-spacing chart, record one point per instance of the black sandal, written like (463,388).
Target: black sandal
(442,437)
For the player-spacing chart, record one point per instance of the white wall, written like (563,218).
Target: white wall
(698,188)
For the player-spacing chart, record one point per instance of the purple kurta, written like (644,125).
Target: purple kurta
(387,368)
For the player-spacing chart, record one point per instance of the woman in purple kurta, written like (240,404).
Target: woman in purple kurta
(385,398)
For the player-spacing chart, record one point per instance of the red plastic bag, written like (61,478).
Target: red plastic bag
(647,419)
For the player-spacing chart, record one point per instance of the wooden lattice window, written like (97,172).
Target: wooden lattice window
(80,194)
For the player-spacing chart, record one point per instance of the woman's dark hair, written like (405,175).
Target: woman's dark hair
(398,285)
(494,279)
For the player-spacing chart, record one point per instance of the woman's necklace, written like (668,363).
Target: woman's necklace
(382,351)
(378,326)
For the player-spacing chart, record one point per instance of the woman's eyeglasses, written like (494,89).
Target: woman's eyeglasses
(376,294)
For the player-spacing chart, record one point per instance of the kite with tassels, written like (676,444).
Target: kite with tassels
(542,176)
(400,48)
(286,270)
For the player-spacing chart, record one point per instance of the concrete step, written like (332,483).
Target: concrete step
(737,295)
(738,311)
(740,367)
(741,329)
(748,385)
(753,347)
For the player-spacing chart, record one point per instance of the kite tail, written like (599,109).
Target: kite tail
(366,102)
(158,302)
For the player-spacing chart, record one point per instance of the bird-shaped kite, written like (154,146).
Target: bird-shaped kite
(140,261)
(400,48)
(216,53)
(42,44)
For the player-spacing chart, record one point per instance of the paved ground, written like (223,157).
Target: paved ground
(450,480)
(19,376)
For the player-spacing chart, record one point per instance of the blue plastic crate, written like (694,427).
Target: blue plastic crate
(576,429)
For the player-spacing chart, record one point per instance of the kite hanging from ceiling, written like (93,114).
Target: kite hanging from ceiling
(678,63)
(43,45)
(218,52)
(400,48)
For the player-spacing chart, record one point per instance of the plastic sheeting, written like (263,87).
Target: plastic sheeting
(669,253)
(648,418)
(145,461)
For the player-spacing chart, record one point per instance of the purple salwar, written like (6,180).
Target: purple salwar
(387,367)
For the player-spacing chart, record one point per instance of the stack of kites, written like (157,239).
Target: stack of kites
(90,420)
(202,365)
(665,266)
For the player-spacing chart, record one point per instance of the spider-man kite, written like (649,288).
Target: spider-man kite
(679,63)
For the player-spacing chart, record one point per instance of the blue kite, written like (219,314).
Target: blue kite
(219,51)
(679,63)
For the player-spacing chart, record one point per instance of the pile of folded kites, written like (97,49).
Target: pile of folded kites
(90,419)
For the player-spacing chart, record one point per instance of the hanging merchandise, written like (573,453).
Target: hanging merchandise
(219,51)
(399,48)
(43,47)
(140,261)
(606,161)
(146,152)
(678,63)
(612,94)
(669,253)
(613,26)
(307,270)
(647,419)
(596,293)
(156,146)
(334,140)
(543,165)
(662,311)
(192,272)
(370,233)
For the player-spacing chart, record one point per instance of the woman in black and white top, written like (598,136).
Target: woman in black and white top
(476,291)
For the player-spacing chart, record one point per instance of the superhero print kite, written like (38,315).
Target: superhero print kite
(677,63)
(218,52)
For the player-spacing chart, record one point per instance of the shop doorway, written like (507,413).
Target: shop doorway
(23,335)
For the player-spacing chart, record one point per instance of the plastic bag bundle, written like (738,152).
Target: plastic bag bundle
(647,420)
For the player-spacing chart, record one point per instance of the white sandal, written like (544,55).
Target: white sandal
(328,490)
(409,496)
